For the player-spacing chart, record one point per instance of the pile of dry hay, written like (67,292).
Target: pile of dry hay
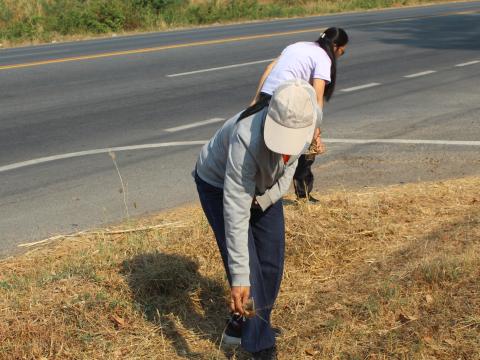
(384,274)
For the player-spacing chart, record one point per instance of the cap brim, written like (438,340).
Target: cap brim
(287,141)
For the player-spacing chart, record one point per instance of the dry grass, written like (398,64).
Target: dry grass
(389,273)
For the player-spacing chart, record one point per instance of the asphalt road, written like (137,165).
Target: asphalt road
(409,80)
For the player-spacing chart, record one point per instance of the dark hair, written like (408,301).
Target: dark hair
(330,37)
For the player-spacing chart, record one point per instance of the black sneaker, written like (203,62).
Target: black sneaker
(277,331)
(267,354)
(309,199)
(233,332)
(312,200)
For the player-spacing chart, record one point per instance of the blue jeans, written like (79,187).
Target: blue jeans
(266,247)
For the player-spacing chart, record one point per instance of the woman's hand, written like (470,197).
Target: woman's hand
(317,140)
(239,296)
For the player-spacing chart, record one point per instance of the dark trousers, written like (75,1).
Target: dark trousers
(266,247)
(303,177)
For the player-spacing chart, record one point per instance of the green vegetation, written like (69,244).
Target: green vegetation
(47,20)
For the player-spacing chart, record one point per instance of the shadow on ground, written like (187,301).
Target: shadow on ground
(454,32)
(176,297)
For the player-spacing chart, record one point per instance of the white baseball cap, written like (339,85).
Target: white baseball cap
(291,118)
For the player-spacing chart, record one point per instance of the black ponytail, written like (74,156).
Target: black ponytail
(332,37)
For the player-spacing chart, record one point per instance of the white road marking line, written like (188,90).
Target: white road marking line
(423,73)
(403,141)
(202,142)
(468,63)
(360,87)
(221,68)
(194,125)
(97,151)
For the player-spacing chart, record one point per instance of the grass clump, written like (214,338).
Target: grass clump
(391,273)
(45,20)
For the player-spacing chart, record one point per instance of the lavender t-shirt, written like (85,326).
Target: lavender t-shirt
(302,60)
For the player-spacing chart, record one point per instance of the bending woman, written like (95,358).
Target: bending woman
(314,62)
(241,175)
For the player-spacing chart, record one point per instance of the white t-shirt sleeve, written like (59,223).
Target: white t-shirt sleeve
(302,60)
(322,66)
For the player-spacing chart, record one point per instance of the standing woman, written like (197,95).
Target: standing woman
(316,63)
(241,175)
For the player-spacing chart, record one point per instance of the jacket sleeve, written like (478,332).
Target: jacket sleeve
(272,195)
(238,193)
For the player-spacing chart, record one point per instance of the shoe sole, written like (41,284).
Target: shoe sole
(231,340)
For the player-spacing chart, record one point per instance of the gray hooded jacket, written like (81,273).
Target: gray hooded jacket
(237,160)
